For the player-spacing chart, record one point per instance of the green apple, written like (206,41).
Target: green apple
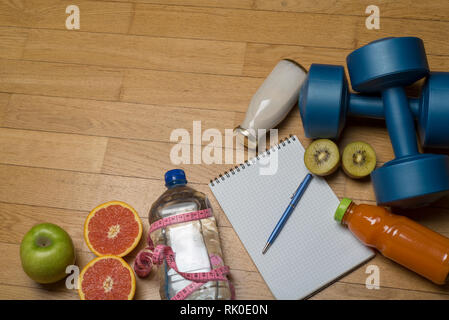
(46,251)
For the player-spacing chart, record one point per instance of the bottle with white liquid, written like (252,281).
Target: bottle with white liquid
(193,242)
(272,102)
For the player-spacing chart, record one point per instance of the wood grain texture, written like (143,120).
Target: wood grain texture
(82,191)
(17,217)
(435,42)
(86,116)
(54,79)
(359,292)
(127,51)
(435,10)
(12,42)
(260,59)
(188,90)
(247,284)
(52,150)
(73,222)
(51,14)
(110,119)
(79,191)
(4,101)
(244,25)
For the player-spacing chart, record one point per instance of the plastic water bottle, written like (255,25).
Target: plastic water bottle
(193,242)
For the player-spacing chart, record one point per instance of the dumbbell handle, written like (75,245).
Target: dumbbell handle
(363,106)
(398,114)
(400,124)
(403,141)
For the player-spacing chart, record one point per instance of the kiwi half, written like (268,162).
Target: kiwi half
(322,157)
(358,159)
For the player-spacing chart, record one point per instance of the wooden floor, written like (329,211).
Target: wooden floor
(86,116)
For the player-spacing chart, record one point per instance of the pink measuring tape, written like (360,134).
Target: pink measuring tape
(151,255)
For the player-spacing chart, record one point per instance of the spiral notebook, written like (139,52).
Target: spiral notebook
(312,250)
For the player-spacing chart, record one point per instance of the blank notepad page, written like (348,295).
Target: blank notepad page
(312,249)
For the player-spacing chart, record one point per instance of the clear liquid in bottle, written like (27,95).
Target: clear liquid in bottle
(193,242)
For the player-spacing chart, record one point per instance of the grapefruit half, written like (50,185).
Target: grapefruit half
(107,278)
(112,228)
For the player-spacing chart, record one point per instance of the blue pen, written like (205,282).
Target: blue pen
(291,207)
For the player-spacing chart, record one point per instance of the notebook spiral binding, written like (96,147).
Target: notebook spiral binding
(248,163)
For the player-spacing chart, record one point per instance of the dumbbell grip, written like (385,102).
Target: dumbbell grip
(363,106)
(399,120)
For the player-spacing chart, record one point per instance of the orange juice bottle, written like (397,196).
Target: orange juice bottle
(398,238)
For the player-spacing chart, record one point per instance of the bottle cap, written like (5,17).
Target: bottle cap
(341,210)
(174,177)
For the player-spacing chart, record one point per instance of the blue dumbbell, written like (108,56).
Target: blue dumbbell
(325,103)
(411,179)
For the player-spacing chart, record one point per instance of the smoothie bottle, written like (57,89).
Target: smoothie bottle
(398,238)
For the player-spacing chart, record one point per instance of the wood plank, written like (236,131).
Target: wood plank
(15,292)
(435,10)
(111,119)
(128,51)
(260,59)
(19,278)
(373,132)
(227,241)
(52,150)
(392,275)
(244,25)
(152,159)
(248,284)
(84,191)
(363,189)
(119,162)
(125,120)
(358,292)
(269,27)
(54,79)
(72,190)
(18,219)
(4,102)
(95,16)
(149,291)
(237,4)
(12,42)
(204,91)
(435,42)
(131,158)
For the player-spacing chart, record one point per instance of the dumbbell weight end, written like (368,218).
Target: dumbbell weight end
(411,182)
